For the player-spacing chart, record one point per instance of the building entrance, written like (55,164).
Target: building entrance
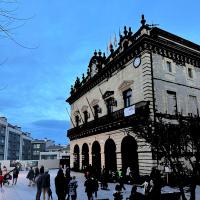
(129,155)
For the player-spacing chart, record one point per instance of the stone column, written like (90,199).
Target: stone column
(80,160)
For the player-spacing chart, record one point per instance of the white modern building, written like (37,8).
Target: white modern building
(14,143)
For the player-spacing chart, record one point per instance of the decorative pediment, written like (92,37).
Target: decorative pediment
(125,85)
(94,102)
(108,94)
(76,113)
(84,108)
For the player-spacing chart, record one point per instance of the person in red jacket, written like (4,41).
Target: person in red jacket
(1,179)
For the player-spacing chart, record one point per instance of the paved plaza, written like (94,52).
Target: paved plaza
(21,191)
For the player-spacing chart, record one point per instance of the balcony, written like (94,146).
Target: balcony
(112,121)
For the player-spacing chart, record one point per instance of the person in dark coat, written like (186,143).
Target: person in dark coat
(38,181)
(36,173)
(59,185)
(15,175)
(30,176)
(135,195)
(96,186)
(89,187)
(118,193)
(46,184)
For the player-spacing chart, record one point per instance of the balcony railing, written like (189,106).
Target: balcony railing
(112,121)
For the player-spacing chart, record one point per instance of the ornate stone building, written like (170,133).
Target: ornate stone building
(151,72)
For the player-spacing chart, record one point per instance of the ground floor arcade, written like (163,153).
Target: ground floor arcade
(113,150)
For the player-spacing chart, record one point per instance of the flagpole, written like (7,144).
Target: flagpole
(70,118)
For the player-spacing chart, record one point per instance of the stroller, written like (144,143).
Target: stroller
(6,178)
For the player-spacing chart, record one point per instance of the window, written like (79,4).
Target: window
(190,73)
(85,113)
(109,105)
(169,66)
(77,120)
(127,97)
(171,103)
(96,111)
(193,108)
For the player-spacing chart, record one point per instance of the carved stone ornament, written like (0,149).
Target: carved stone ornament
(84,108)
(108,94)
(94,102)
(76,113)
(125,85)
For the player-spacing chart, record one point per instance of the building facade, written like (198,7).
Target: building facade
(14,143)
(55,152)
(151,73)
(40,146)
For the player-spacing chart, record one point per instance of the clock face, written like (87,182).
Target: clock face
(137,62)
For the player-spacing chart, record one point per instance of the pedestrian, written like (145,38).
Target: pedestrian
(4,171)
(118,193)
(38,181)
(121,182)
(89,187)
(46,184)
(156,178)
(36,174)
(72,188)
(135,195)
(59,185)
(146,186)
(30,176)
(96,186)
(15,175)
(1,179)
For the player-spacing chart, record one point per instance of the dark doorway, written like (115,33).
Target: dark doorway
(110,155)
(96,157)
(129,155)
(85,156)
(76,158)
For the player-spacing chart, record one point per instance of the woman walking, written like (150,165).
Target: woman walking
(60,186)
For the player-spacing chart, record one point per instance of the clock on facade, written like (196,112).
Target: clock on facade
(137,62)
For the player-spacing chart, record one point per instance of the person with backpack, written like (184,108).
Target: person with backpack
(30,176)
(15,175)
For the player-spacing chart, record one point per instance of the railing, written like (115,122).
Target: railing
(108,122)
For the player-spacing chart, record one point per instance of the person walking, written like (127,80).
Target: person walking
(72,188)
(46,184)
(59,185)
(89,188)
(38,181)
(96,186)
(36,174)
(135,195)
(15,175)
(30,176)
(118,193)
(1,178)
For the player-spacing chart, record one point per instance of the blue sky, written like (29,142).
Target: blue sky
(62,36)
